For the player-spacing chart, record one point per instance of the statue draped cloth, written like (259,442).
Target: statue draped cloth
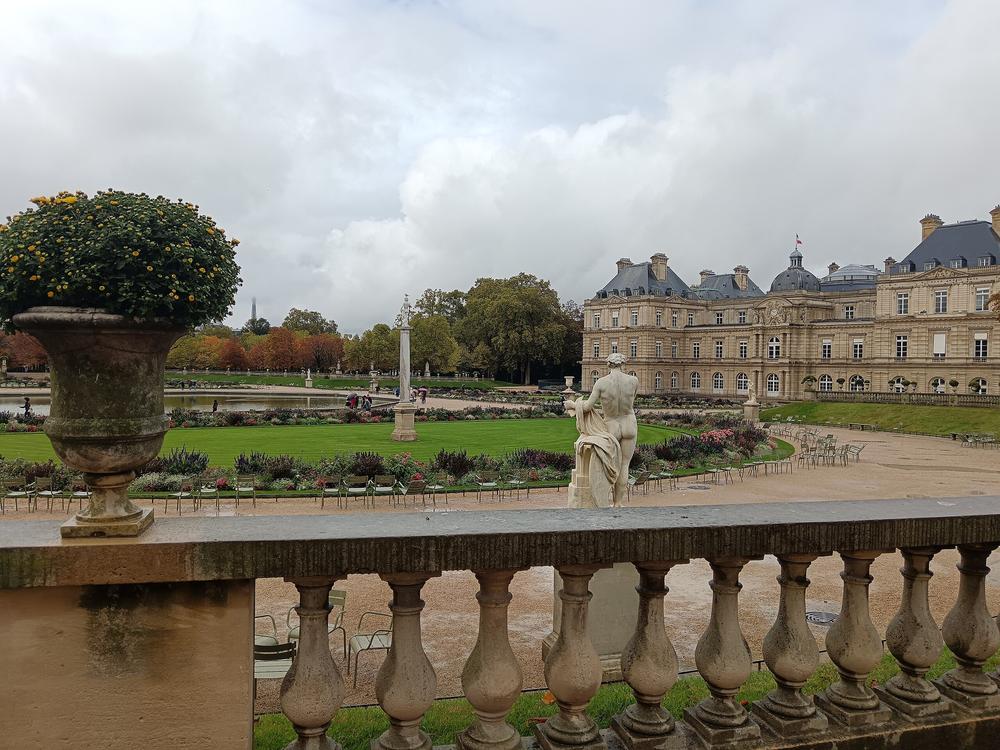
(605,455)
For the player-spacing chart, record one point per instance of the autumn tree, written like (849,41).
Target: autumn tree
(308,321)
(232,355)
(377,346)
(23,351)
(281,350)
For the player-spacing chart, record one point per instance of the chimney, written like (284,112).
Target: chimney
(706,274)
(623,263)
(928,224)
(889,263)
(741,275)
(833,268)
(995,215)
(658,262)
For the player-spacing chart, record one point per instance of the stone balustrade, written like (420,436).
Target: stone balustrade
(109,641)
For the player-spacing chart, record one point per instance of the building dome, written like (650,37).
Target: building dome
(795,278)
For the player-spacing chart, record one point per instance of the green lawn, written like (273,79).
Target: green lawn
(320,381)
(355,728)
(312,442)
(930,420)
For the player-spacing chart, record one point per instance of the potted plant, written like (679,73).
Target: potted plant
(107,284)
(840,383)
(954,385)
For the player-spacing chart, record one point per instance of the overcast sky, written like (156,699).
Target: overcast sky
(360,150)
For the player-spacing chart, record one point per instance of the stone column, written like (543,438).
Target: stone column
(972,635)
(649,665)
(792,656)
(313,688)
(491,679)
(855,648)
(572,669)
(723,659)
(404,429)
(914,639)
(406,684)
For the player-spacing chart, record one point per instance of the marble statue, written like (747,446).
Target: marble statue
(607,439)
(751,396)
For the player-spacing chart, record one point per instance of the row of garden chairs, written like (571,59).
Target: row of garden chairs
(18,490)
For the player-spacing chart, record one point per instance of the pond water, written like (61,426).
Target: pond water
(251,401)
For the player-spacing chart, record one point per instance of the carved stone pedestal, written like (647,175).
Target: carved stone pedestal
(751,413)
(404,430)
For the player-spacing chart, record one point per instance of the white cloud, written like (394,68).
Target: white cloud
(362,150)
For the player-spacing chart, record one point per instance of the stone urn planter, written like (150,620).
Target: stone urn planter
(106,415)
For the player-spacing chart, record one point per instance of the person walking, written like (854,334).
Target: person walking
(27,407)
(215,405)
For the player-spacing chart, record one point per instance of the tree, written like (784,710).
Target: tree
(23,350)
(323,351)
(308,321)
(518,318)
(258,326)
(281,352)
(232,355)
(377,346)
(431,342)
(449,305)
(216,329)
(183,353)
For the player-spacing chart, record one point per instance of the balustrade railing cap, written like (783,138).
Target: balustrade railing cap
(200,549)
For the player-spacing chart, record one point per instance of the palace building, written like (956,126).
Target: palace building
(916,324)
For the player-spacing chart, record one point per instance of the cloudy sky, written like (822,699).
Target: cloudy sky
(361,150)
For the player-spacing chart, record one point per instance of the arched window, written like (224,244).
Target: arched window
(658,381)
(594,375)
(718,382)
(675,380)
(773,384)
(857,383)
(695,381)
(898,384)
(825,383)
(742,383)
(773,347)
(938,384)
(978,386)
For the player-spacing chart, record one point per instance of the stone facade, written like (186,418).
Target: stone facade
(923,321)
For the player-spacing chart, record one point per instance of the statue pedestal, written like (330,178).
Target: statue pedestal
(611,615)
(751,413)
(580,495)
(309,382)
(404,430)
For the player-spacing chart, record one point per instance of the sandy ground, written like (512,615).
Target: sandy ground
(892,466)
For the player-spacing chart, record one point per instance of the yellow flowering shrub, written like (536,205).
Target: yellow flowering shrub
(127,253)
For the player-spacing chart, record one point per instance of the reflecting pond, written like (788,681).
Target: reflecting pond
(251,401)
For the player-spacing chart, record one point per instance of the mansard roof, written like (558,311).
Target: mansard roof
(964,239)
(723,286)
(639,279)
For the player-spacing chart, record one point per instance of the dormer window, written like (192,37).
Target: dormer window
(957,262)
(985,261)
(931,264)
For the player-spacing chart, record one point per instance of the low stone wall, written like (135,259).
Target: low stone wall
(927,399)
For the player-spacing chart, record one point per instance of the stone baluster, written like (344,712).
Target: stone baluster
(313,688)
(649,665)
(491,679)
(572,669)
(791,654)
(723,659)
(914,639)
(855,648)
(406,684)
(972,635)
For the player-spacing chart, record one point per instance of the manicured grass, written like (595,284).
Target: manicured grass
(355,728)
(320,381)
(311,442)
(929,420)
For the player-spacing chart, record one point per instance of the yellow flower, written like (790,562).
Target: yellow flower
(135,253)
(201,269)
(69,199)
(149,268)
(101,287)
(13,259)
(211,231)
(10,269)
(190,298)
(50,294)
(31,248)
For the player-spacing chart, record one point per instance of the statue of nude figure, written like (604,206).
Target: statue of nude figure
(616,391)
